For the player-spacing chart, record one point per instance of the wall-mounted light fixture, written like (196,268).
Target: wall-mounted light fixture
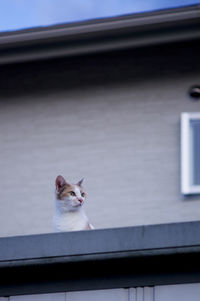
(194,92)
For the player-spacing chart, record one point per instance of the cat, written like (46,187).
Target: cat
(69,214)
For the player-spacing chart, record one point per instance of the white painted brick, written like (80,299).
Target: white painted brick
(149,294)
(139,294)
(39,297)
(180,292)
(99,295)
(132,294)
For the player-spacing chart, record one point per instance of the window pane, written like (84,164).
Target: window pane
(195,126)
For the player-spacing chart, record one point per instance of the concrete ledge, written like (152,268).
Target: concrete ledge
(108,258)
(98,242)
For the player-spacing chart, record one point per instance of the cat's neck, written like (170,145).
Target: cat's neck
(65,220)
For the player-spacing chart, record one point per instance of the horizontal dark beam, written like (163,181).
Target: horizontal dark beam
(98,242)
(109,258)
(101,35)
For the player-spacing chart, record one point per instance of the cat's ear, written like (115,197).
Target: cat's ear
(80,182)
(60,182)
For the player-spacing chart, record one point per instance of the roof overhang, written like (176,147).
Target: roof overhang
(101,35)
(100,259)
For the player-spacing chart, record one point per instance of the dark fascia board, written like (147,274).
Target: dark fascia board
(101,35)
(99,259)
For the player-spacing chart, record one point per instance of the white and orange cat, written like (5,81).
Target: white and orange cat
(69,214)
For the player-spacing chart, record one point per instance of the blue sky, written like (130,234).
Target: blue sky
(20,14)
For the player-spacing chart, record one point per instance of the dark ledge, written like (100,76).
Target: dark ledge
(108,258)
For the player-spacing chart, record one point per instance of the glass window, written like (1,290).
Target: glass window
(190,153)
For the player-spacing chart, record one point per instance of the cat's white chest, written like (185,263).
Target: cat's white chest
(70,221)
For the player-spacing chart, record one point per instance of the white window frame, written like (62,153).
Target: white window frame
(186,170)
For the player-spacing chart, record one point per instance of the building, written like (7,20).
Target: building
(102,100)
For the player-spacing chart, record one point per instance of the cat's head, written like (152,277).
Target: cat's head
(69,196)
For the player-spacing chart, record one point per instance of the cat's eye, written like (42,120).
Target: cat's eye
(83,194)
(72,193)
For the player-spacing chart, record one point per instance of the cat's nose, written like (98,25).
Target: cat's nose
(80,200)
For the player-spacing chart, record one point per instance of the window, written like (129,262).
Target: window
(190,153)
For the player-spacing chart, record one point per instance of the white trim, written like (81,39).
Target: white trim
(186,183)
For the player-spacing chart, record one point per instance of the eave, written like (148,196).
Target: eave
(137,30)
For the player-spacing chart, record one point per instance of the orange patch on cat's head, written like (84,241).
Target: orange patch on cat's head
(63,189)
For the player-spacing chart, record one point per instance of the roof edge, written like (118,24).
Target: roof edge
(101,35)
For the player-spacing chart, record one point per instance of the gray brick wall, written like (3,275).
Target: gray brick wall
(120,132)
